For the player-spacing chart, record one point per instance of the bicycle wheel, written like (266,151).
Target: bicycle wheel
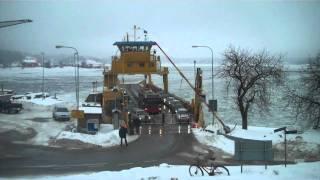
(195,170)
(221,170)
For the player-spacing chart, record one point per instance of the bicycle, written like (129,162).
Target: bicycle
(214,169)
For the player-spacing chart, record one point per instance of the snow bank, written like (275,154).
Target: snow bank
(49,101)
(255,133)
(306,171)
(106,136)
(217,141)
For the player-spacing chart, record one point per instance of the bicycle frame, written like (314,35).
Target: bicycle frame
(209,170)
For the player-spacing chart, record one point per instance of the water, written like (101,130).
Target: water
(60,81)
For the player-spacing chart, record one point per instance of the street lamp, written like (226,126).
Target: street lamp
(15,22)
(212,76)
(42,54)
(76,69)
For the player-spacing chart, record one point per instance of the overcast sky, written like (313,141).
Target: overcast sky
(288,27)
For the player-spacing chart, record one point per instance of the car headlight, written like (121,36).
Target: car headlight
(140,118)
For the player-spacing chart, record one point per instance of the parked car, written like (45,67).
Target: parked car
(182,115)
(140,114)
(61,113)
(10,107)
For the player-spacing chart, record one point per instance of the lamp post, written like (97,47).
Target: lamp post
(42,54)
(212,76)
(76,70)
(15,22)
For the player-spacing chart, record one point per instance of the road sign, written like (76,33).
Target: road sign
(291,132)
(284,129)
(279,129)
(213,104)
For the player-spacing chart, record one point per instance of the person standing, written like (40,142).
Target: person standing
(123,132)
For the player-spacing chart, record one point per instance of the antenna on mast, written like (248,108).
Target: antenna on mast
(135,28)
(145,34)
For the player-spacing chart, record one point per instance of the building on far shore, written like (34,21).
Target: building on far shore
(88,63)
(29,61)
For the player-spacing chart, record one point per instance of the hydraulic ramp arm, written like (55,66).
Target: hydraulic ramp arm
(225,127)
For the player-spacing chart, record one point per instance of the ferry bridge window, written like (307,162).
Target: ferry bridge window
(129,64)
(141,48)
(134,48)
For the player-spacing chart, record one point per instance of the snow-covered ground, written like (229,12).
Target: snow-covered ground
(36,124)
(307,141)
(47,101)
(106,137)
(36,118)
(306,171)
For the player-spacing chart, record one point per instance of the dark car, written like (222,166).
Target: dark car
(140,114)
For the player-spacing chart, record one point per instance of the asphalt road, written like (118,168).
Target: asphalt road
(148,150)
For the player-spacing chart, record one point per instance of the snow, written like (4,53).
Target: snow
(49,101)
(91,110)
(37,117)
(210,139)
(306,171)
(254,133)
(106,136)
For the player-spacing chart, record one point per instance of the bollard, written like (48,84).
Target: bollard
(189,130)
(179,129)
(149,130)
(140,130)
(160,131)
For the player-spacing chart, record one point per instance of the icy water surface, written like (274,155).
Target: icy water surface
(60,81)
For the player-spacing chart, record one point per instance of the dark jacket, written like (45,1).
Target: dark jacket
(123,132)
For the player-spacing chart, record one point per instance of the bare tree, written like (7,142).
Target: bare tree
(306,98)
(250,76)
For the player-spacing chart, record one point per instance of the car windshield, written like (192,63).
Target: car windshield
(183,111)
(140,112)
(62,110)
